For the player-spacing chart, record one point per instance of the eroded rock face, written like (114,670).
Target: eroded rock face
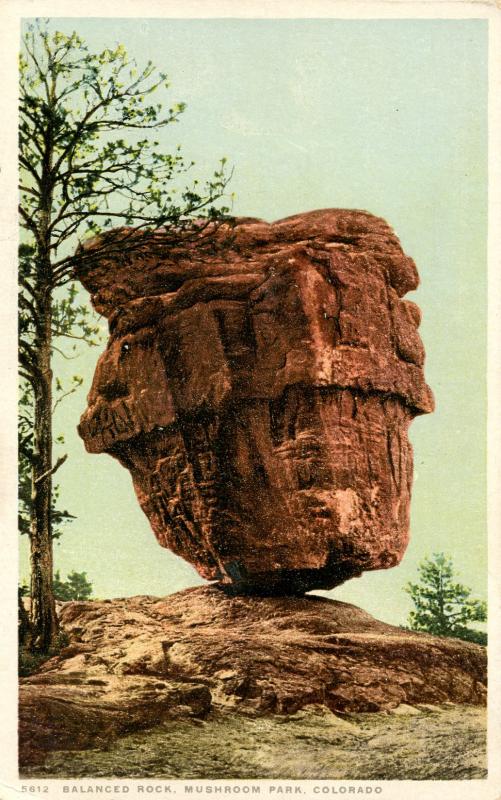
(134,662)
(260,394)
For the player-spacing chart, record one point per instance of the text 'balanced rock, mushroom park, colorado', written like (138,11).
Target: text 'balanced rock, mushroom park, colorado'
(258,384)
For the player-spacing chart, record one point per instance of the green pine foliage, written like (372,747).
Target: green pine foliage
(442,606)
(75,587)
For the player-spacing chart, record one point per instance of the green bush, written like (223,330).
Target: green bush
(75,587)
(29,662)
(442,606)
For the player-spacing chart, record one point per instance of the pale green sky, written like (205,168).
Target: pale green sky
(383,115)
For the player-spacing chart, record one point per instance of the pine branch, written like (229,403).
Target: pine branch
(60,461)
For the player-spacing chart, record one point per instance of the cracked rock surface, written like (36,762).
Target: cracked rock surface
(259,390)
(135,662)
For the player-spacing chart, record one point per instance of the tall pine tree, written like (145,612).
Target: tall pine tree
(85,167)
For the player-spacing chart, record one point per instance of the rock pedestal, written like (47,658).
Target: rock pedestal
(259,391)
(135,662)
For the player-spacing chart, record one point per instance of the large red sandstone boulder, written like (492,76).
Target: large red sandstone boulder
(259,391)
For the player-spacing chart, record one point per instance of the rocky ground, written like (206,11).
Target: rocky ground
(200,683)
(434,743)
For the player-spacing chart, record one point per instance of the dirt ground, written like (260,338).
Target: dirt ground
(424,743)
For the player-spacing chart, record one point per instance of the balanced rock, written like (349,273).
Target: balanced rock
(259,391)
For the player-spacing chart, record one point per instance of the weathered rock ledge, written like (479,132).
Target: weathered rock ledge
(132,663)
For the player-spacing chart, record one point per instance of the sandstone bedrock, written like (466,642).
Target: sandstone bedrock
(259,388)
(135,662)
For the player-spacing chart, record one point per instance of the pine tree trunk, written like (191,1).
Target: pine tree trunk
(43,608)
(23,620)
